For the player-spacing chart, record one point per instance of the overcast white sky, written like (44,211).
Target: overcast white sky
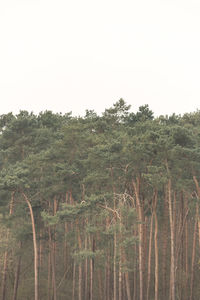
(73,55)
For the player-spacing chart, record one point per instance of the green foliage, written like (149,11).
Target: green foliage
(79,175)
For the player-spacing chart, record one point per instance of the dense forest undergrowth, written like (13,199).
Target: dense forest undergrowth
(100,207)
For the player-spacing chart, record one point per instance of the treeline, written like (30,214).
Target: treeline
(100,207)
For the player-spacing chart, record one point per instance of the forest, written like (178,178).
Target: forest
(100,207)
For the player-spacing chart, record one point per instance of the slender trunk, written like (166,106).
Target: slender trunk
(91,267)
(115,267)
(86,272)
(5,264)
(79,282)
(49,272)
(65,236)
(198,194)
(186,261)
(17,274)
(34,245)
(100,289)
(4,276)
(120,275)
(156,254)
(140,232)
(126,277)
(91,279)
(53,270)
(52,247)
(193,253)
(165,247)
(120,256)
(79,270)
(135,274)
(40,250)
(74,281)
(107,278)
(172,272)
(149,257)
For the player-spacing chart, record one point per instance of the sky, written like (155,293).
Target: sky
(73,55)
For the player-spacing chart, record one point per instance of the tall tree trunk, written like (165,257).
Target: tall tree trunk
(120,254)
(120,275)
(193,253)
(172,271)
(4,276)
(165,247)
(5,264)
(86,272)
(49,271)
(73,281)
(79,282)
(135,291)
(126,277)
(136,186)
(34,245)
(156,254)
(100,289)
(79,269)
(17,274)
(92,247)
(186,261)
(115,267)
(149,257)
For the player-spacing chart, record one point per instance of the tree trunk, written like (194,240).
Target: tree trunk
(17,274)
(74,281)
(86,272)
(34,245)
(149,257)
(49,271)
(91,267)
(165,247)
(5,265)
(126,275)
(156,254)
(172,271)
(4,276)
(79,269)
(193,253)
(140,232)
(115,268)
(80,282)
(100,289)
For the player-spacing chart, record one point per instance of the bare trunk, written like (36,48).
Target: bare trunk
(4,276)
(165,247)
(34,245)
(79,269)
(149,257)
(100,289)
(193,253)
(135,274)
(115,268)
(74,281)
(91,279)
(140,232)
(172,272)
(126,277)
(120,277)
(91,268)
(17,274)
(80,282)
(156,255)
(49,270)
(5,265)
(86,272)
